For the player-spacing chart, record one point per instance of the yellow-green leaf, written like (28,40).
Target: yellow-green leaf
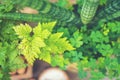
(23,30)
(49,26)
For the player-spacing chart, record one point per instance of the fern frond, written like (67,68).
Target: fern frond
(46,55)
(39,31)
(55,37)
(23,30)
(43,43)
(31,48)
(49,26)
(30,45)
(58,44)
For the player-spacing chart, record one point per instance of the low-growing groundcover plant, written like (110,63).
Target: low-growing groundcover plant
(87,33)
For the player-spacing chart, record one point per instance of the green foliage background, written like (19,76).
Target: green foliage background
(97,44)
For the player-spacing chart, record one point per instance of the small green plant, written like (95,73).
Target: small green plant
(40,42)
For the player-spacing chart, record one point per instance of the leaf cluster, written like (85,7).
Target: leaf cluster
(99,52)
(40,42)
(10,59)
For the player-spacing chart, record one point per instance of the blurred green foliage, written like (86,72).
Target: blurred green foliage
(97,45)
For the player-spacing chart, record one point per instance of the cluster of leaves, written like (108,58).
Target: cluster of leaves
(10,59)
(97,49)
(40,42)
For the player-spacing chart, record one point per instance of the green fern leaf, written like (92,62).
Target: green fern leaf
(49,26)
(37,30)
(42,44)
(55,37)
(30,45)
(43,33)
(46,56)
(23,30)
(58,44)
